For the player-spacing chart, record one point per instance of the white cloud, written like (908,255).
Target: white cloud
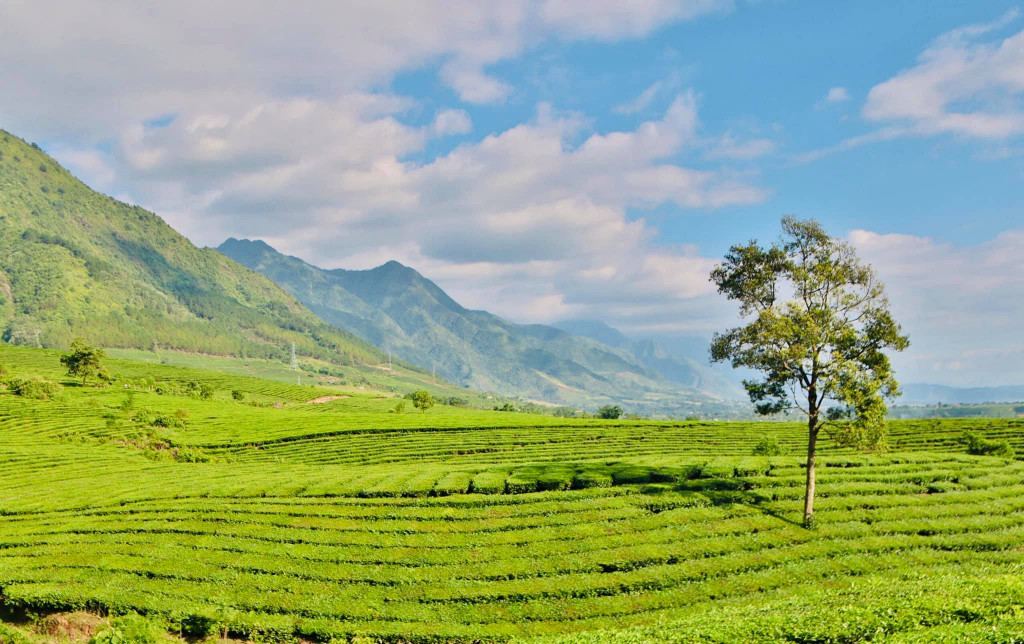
(962,305)
(641,102)
(728,147)
(959,86)
(452,122)
(837,95)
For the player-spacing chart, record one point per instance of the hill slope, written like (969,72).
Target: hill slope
(76,262)
(672,365)
(399,310)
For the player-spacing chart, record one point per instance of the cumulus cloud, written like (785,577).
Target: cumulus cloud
(255,119)
(837,95)
(959,86)
(962,305)
(728,147)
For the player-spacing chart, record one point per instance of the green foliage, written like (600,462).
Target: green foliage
(982,447)
(609,411)
(826,343)
(83,360)
(81,264)
(341,520)
(33,387)
(399,407)
(395,307)
(768,446)
(422,400)
(130,628)
(237,395)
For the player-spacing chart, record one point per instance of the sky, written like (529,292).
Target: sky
(555,159)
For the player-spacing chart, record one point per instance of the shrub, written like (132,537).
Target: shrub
(717,470)
(197,626)
(488,483)
(136,629)
(33,387)
(554,480)
(632,475)
(237,395)
(980,446)
(505,407)
(399,407)
(589,479)
(165,420)
(516,484)
(768,446)
(192,455)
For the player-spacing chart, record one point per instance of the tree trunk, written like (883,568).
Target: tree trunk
(812,439)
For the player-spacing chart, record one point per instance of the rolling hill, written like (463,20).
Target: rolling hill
(399,310)
(78,263)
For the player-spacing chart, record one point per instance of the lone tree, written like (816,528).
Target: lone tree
(83,359)
(422,400)
(818,324)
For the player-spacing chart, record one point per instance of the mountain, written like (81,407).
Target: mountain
(675,366)
(399,310)
(74,262)
(925,394)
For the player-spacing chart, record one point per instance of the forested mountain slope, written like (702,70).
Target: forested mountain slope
(74,262)
(399,310)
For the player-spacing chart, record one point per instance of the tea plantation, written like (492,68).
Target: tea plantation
(214,503)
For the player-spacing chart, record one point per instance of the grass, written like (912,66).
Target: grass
(276,519)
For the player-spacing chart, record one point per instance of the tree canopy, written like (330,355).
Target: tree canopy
(818,327)
(83,360)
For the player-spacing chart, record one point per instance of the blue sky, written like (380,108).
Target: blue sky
(552,159)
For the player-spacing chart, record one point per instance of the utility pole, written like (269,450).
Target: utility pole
(295,361)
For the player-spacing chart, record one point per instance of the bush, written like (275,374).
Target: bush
(556,480)
(488,483)
(768,446)
(609,411)
(197,626)
(136,629)
(520,485)
(632,475)
(589,479)
(983,447)
(399,407)
(34,387)
(165,420)
(237,395)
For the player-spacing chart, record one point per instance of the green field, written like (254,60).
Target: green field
(275,518)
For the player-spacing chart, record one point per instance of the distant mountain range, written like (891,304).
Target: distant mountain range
(925,394)
(576,363)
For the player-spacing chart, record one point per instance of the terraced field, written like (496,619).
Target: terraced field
(342,519)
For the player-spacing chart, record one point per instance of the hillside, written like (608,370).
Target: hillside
(79,263)
(672,364)
(400,311)
(926,394)
(308,516)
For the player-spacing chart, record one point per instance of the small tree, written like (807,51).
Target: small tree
(609,411)
(83,360)
(824,343)
(422,400)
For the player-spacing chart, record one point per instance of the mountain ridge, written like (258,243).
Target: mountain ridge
(414,318)
(80,263)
